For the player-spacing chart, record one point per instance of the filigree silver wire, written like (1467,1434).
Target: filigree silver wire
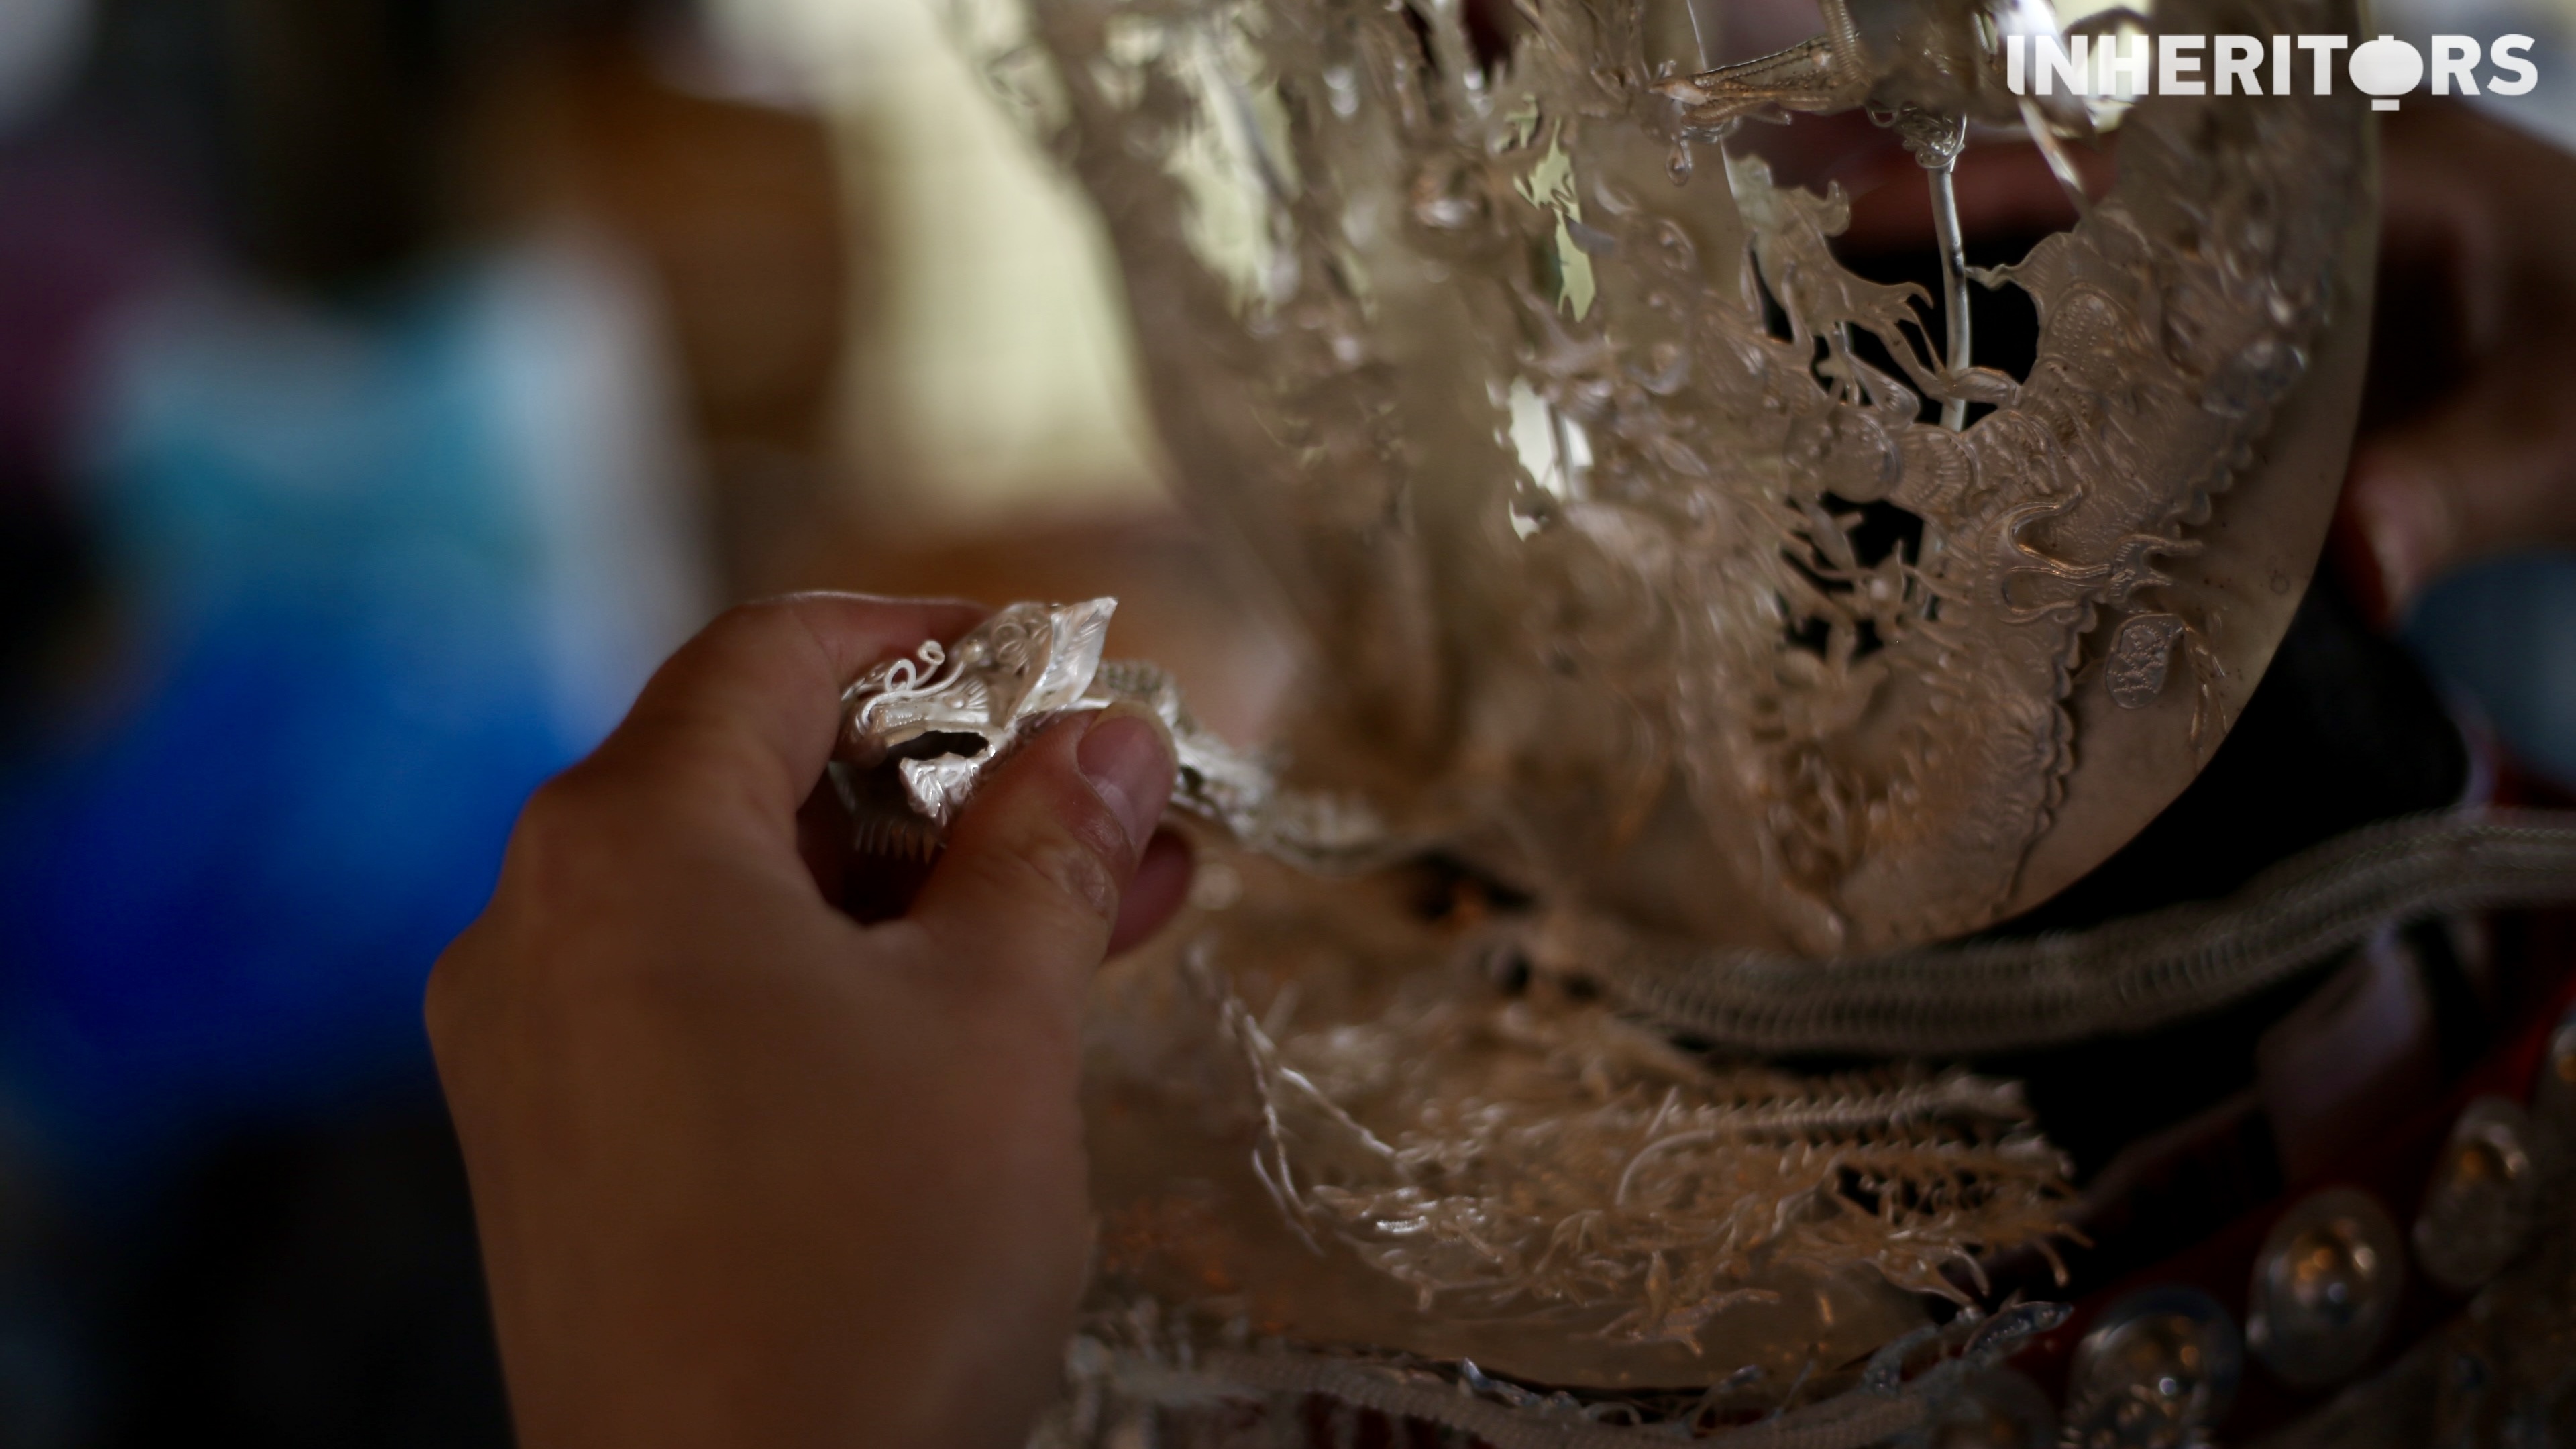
(937,731)
(1561,465)
(1572,525)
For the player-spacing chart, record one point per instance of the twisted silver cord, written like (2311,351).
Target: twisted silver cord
(1883,1405)
(2130,975)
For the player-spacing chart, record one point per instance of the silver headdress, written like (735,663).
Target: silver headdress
(1577,453)
(1567,469)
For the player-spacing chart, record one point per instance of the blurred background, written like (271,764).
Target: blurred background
(385,385)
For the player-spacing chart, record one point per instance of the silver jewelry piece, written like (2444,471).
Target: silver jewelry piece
(2325,1287)
(919,734)
(2157,1371)
(2478,1212)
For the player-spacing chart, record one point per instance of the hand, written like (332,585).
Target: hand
(748,1172)
(2466,448)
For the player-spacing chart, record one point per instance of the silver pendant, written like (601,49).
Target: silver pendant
(2478,1212)
(2325,1287)
(2158,1371)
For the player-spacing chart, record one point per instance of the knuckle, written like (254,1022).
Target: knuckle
(746,628)
(1061,870)
(567,878)
(440,1011)
(1089,820)
(576,834)
(1080,874)
(778,621)
(557,816)
(585,921)
(1078,852)
(766,613)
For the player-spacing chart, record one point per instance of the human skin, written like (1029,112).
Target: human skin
(749,1172)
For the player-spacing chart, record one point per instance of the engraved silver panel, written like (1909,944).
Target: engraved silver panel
(1549,416)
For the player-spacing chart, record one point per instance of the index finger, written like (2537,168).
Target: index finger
(746,712)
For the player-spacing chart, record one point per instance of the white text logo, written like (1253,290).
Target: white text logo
(2127,66)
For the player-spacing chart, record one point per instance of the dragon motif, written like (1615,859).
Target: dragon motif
(1584,482)
(919,734)
(1661,565)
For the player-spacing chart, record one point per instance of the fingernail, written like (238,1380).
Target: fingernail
(1124,758)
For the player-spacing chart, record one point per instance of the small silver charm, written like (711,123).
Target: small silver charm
(2478,1211)
(2325,1286)
(2157,1371)
(918,735)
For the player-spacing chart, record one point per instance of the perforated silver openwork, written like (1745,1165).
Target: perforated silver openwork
(1551,416)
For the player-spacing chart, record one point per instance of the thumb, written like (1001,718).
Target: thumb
(2490,470)
(1035,865)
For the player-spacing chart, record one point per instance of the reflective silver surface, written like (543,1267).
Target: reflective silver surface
(2157,1371)
(2325,1286)
(2477,1214)
(918,734)
(935,722)
(1551,415)
(1555,420)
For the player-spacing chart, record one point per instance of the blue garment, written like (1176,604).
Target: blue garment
(2503,634)
(341,563)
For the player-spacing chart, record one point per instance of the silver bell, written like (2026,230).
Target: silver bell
(2325,1287)
(2479,1209)
(2157,1371)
